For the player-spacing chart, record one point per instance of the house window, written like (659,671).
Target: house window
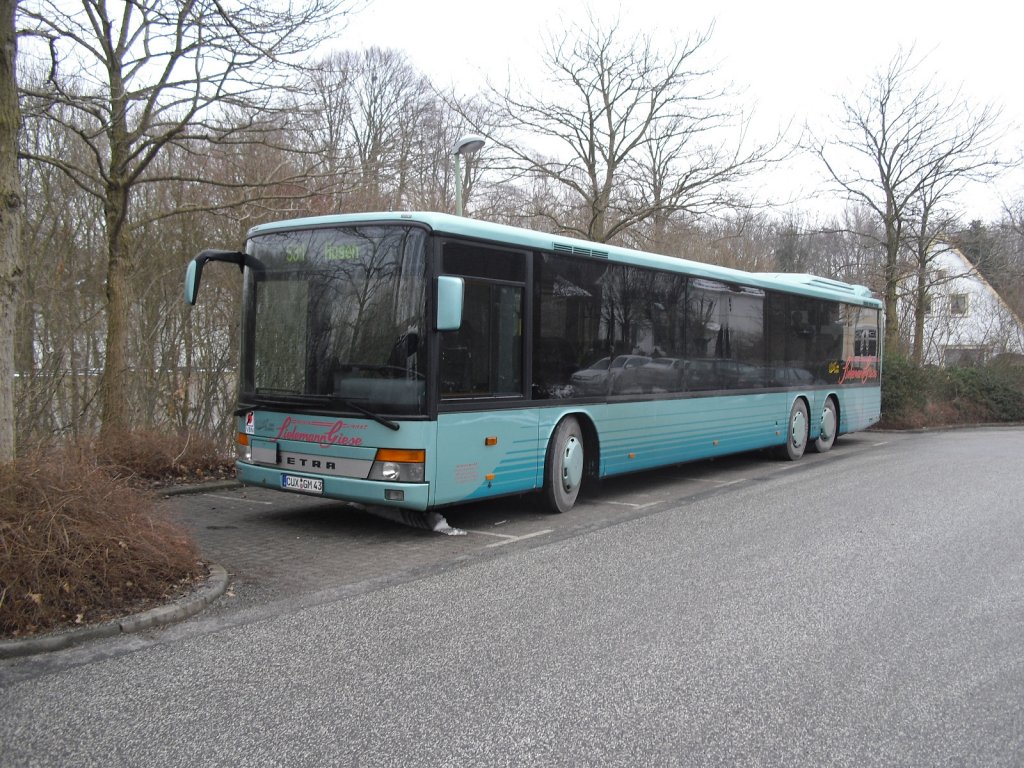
(965,356)
(958,304)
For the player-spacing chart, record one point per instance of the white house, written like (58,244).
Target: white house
(966,321)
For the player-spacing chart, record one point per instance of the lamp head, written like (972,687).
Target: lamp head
(467,144)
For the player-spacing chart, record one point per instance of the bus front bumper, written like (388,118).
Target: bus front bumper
(370,492)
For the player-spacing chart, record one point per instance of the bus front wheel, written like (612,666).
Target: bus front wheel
(829,426)
(563,467)
(796,432)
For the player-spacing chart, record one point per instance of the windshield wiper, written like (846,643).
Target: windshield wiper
(297,399)
(371,415)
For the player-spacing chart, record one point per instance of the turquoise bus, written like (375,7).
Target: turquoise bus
(420,360)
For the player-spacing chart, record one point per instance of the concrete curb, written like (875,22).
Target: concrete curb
(183,490)
(214,586)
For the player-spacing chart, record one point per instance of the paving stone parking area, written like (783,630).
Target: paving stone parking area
(281,547)
(275,546)
(270,551)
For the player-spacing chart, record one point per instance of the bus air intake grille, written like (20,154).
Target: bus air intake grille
(575,250)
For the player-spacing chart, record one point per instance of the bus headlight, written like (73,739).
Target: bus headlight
(243,449)
(395,465)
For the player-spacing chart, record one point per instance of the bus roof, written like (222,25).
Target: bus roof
(444,223)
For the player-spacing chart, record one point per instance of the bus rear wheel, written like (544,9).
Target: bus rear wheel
(829,426)
(796,432)
(563,466)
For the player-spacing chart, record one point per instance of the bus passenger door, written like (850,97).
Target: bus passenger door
(486,438)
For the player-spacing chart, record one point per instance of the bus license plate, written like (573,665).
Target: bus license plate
(302,484)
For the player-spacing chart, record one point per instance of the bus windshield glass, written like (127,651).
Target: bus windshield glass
(333,319)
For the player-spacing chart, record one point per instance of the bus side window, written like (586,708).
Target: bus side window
(484,358)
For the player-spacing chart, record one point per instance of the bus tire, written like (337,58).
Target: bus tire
(563,465)
(796,432)
(829,426)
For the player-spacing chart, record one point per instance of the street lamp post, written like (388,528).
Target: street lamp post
(464,146)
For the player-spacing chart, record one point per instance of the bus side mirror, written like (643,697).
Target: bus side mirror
(195,268)
(450,294)
(192,274)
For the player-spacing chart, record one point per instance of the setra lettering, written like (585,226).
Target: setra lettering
(298,461)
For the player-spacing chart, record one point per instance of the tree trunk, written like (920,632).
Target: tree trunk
(892,324)
(920,305)
(893,236)
(114,387)
(10,223)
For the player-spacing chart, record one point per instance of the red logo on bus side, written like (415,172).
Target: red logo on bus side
(862,369)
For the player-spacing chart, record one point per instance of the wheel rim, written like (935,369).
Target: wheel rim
(798,432)
(828,422)
(572,464)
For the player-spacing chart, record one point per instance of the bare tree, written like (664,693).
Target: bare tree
(59,331)
(130,81)
(999,253)
(925,247)
(10,223)
(643,134)
(375,121)
(390,101)
(904,150)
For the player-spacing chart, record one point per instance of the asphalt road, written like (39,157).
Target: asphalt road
(861,608)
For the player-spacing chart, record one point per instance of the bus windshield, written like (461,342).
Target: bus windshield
(333,317)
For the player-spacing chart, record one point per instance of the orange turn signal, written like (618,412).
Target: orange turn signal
(404,455)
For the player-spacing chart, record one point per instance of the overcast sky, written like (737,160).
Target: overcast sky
(790,58)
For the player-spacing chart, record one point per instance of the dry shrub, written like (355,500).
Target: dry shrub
(930,414)
(160,457)
(78,545)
